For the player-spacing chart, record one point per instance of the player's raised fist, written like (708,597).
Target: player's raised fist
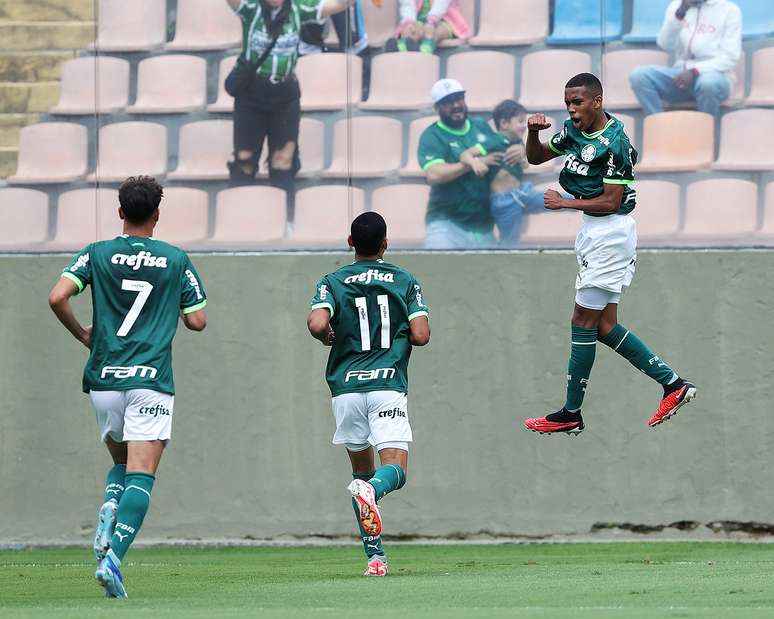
(538,122)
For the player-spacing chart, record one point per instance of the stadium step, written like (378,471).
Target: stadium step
(11,125)
(32,66)
(47,10)
(23,97)
(29,35)
(8,158)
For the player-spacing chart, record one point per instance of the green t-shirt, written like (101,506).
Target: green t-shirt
(499,143)
(592,159)
(255,36)
(371,304)
(464,201)
(139,286)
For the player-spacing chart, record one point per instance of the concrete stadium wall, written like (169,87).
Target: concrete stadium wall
(251,454)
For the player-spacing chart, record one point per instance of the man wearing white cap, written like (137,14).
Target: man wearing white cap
(458,214)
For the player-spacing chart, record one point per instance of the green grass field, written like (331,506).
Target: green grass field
(557,581)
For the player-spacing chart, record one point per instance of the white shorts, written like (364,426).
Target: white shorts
(133,415)
(373,417)
(606,249)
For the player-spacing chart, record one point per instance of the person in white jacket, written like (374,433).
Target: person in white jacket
(705,37)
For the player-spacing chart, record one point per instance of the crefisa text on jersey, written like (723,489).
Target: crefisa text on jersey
(371,275)
(141,259)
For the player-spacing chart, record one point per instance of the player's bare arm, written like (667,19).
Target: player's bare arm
(59,301)
(608,202)
(319,325)
(419,331)
(537,151)
(195,321)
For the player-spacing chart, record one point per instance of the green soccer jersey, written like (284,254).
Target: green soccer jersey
(592,159)
(464,201)
(139,286)
(255,36)
(499,143)
(371,304)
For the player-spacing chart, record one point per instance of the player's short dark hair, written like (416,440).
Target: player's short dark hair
(139,196)
(368,232)
(586,80)
(506,110)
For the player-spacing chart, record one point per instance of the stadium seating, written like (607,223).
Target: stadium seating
(416,128)
(616,67)
(204,25)
(84,216)
(657,212)
(762,82)
(766,233)
(329,81)
(124,26)
(484,88)
(677,141)
(544,74)
(154,95)
(311,146)
(324,213)
(402,81)
(204,148)
(27,209)
(741,146)
(128,149)
(757,18)
(551,227)
(578,22)
(250,216)
(380,22)
(517,22)
(51,153)
(183,217)
(720,211)
(403,208)
(647,18)
(224,101)
(365,146)
(93,84)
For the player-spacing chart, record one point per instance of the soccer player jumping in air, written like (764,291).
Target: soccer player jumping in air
(139,287)
(370,313)
(598,171)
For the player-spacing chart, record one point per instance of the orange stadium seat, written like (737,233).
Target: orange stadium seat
(224,101)
(203,25)
(154,94)
(205,147)
(130,26)
(616,67)
(551,227)
(324,80)
(249,216)
(416,128)
(658,210)
(28,210)
(677,141)
(128,149)
(403,208)
(402,81)
(324,213)
(93,84)
(365,146)
(544,74)
(183,217)
(84,216)
(517,22)
(380,22)
(720,210)
(762,82)
(475,70)
(766,232)
(741,146)
(311,146)
(52,153)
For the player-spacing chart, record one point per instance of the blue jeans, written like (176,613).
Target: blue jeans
(445,234)
(652,85)
(508,209)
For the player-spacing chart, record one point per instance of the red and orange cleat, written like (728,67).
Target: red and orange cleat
(377,566)
(369,516)
(675,395)
(560,421)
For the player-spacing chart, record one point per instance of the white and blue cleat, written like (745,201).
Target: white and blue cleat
(106,523)
(109,576)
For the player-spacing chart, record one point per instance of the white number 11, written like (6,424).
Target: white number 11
(143,289)
(365,329)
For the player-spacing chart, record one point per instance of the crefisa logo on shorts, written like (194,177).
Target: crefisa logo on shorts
(154,411)
(392,413)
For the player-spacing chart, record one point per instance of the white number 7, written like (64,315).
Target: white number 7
(143,289)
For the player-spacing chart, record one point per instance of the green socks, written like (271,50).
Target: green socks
(131,512)
(387,478)
(427,46)
(629,346)
(582,353)
(114,483)
(372,544)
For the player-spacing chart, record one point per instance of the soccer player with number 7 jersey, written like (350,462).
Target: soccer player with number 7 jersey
(370,313)
(139,288)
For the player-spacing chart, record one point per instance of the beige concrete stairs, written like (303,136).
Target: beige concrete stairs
(36,37)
